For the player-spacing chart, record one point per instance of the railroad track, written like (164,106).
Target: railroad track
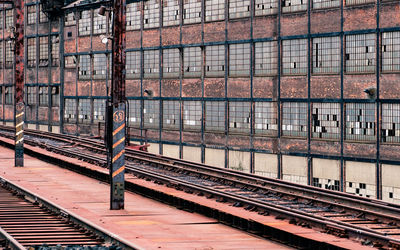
(373,222)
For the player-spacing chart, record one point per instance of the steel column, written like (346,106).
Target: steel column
(117,110)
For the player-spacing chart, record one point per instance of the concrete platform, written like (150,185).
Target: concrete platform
(144,222)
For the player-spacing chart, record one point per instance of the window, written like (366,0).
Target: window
(151,14)
(133,64)
(70,62)
(9,56)
(43,51)
(55,96)
(9,18)
(151,113)
(171,113)
(265,7)
(9,95)
(391,51)
(43,96)
(99,66)
(239,59)
(294,119)
(31,96)
(171,15)
(326,120)
(265,118)
(191,11)
(215,61)
(70,19)
(1,19)
(321,4)
(99,110)
(99,23)
(215,10)
(135,108)
(326,55)
(31,52)
(133,16)
(360,121)
(1,94)
(390,122)
(326,183)
(55,51)
(239,117)
(293,5)
(84,67)
(1,54)
(171,63)
(42,16)
(192,62)
(266,58)
(151,64)
(84,111)
(84,23)
(360,53)
(215,116)
(69,110)
(354,2)
(239,8)
(31,14)
(294,56)
(192,112)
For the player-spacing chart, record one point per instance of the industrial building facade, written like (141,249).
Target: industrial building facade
(305,91)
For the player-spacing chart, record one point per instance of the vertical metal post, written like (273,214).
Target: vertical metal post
(116,115)
(19,82)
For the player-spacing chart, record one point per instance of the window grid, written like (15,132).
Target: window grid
(266,58)
(134,113)
(31,52)
(31,95)
(171,13)
(215,61)
(192,58)
(1,21)
(151,14)
(151,63)
(55,96)
(192,112)
(294,56)
(326,183)
(42,16)
(99,23)
(360,121)
(70,19)
(294,5)
(84,67)
(84,111)
(43,51)
(99,110)
(322,4)
(239,117)
(133,14)
(191,11)
(43,96)
(1,54)
(265,118)
(70,62)
(9,18)
(55,51)
(9,56)
(133,64)
(84,23)
(390,130)
(354,2)
(31,14)
(326,120)
(360,53)
(265,7)
(99,66)
(171,63)
(151,113)
(215,116)
(1,94)
(215,10)
(239,59)
(9,95)
(326,55)
(239,8)
(171,112)
(391,51)
(294,119)
(69,110)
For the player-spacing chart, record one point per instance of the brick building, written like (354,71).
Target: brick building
(272,88)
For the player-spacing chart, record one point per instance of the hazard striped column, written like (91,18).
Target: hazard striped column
(19,134)
(117,168)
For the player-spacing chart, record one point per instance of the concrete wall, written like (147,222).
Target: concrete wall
(391,183)
(266,165)
(239,161)
(294,169)
(192,154)
(326,173)
(215,157)
(360,178)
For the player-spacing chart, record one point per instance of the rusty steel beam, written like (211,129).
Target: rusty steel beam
(116,112)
